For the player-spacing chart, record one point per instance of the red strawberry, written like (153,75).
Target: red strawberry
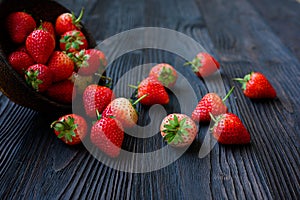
(155,91)
(62,91)
(165,74)
(19,26)
(71,128)
(108,135)
(210,103)
(204,64)
(73,41)
(256,86)
(228,129)
(96,98)
(48,26)
(123,110)
(61,66)
(40,45)
(178,130)
(67,22)
(20,61)
(22,49)
(39,77)
(89,61)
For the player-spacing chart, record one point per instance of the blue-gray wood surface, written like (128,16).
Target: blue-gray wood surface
(244,35)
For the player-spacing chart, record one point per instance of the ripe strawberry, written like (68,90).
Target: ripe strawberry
(178,130)
(96,98)
(68,22)
(40,45)
(61,66)
(123,110)
(155,91)
(62,91)
(19,25)
(210,103)
(73,41)
(204,64)
(228,129)
(89,61)
(20,61)
(48,26)
(39,77)
(71,128)
(165,74)
(22,49)
(256,86)
(108,135)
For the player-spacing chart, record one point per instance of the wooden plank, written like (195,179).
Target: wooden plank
(283,17)
(241,36)
(267,168)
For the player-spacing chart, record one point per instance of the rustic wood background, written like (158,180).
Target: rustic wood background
(244,35)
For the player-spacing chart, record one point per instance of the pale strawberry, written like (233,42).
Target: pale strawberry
(178,130)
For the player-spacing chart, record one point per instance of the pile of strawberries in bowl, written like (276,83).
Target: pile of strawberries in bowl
(49,54)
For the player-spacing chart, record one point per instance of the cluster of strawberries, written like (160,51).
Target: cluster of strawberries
(49,55)
(178,130)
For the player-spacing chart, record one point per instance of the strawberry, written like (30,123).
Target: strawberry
(96,98)
(155,91)
(71,128)
(123,110)
(210,103)
(256,86)
(48,26)
(22,49)
(40,45)
(20,61)
(204,64)
(67,22)
(62,91)
(165,74)
(39,77)
(178,130)
(19,25)
(108,135)
(73,41)
(61,66)
(89,61)
(228,129)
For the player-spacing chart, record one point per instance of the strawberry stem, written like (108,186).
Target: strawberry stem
(228,94)
(133,86)
(80,16)
(139,99)
(98,115)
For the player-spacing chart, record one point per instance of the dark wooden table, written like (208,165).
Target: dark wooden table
(244,35)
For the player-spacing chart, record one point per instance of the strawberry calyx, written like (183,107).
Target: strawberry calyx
(31,77)
(76,21)
(66,128)
(228,94)
(195,64)
(80,58)
(74,40)
(166,76)
(244,80)
(175,130)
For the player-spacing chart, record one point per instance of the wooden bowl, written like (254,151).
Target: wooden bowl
(11,83)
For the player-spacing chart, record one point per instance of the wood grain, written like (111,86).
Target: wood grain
(36,165)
